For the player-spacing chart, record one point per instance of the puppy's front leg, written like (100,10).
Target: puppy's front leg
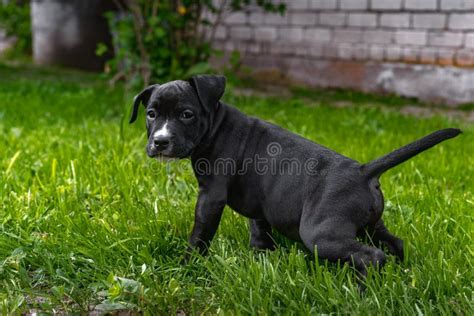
(207,216)
(261,235)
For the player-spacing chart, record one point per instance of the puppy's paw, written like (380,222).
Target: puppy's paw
(188,256)
(186,259)
(364,258)
(395,247)
(378,258)
(369,256)
(262,245)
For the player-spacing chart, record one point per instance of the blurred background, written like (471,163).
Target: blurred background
(414,48)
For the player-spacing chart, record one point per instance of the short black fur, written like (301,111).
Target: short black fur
(326,206)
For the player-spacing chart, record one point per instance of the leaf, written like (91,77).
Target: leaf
(199,68)
(174,286)
(128,284)
(101,49)
(58,291)
(108,306)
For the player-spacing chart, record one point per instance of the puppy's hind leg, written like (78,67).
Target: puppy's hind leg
(261,235)
(335,239)
(380,235)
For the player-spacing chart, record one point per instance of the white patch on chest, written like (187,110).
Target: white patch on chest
(163,131)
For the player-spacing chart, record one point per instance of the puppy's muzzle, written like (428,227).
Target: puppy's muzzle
(161,143)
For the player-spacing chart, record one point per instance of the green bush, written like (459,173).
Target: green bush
(160,40)
(15,20)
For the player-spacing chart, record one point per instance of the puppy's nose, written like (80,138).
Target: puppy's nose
(161,142)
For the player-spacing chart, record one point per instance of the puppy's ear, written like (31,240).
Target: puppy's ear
(143,98)
(209,89)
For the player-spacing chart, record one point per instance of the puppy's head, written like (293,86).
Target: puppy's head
(178,114)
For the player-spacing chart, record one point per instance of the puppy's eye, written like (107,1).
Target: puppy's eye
(186,115)
(151,114)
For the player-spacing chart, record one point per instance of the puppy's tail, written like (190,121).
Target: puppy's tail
(378,166)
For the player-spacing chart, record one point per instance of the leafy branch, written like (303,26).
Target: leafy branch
(164,39)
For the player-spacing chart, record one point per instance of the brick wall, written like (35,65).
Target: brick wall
(362,43)
(5,42)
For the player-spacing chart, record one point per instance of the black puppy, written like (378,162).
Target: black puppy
(279,180)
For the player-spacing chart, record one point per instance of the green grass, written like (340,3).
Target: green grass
(86,218)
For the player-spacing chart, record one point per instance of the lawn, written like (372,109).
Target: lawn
(88,221)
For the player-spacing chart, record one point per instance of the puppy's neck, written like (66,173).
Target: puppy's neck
(231,128)
(209,137)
